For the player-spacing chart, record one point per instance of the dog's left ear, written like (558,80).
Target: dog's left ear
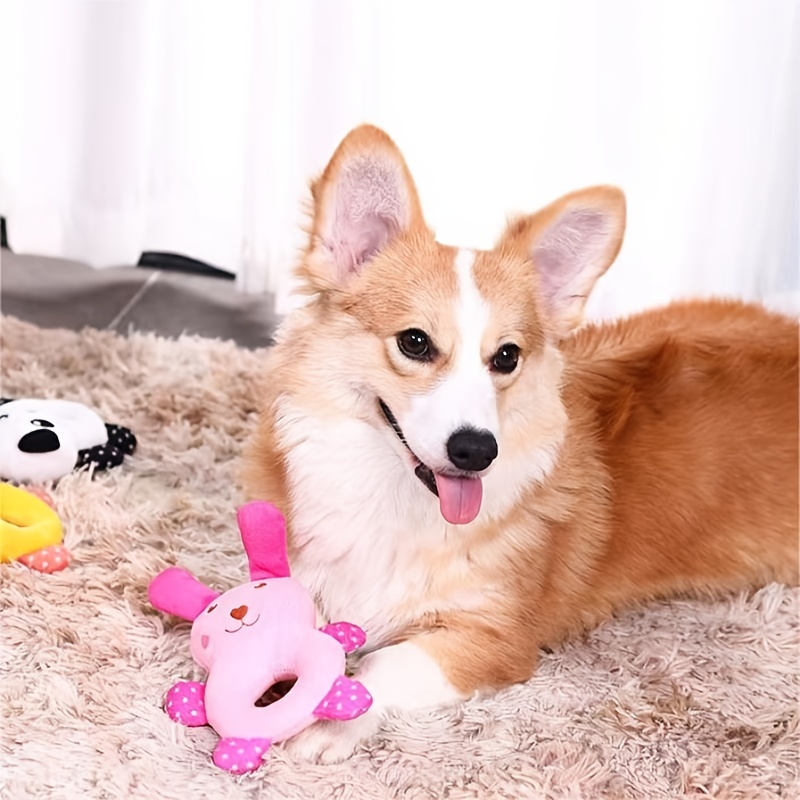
(571,243)
(361,202)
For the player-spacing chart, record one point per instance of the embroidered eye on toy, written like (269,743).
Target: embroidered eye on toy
(43,440)
(253,637)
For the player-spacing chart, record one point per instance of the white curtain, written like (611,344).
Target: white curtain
(195,125)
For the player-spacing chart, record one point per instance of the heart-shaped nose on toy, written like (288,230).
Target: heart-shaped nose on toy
(239,613)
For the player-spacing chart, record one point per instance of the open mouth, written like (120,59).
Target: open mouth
(459,496)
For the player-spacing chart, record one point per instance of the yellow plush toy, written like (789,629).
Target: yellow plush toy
(30,531)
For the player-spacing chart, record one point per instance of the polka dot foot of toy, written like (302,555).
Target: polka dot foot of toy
(185,703)
(240,755)
(346,700)
(350,636)
(48,559)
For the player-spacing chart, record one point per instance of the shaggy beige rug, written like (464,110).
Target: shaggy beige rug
(680,699)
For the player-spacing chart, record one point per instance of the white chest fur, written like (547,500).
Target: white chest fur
(370,542)
(361,520)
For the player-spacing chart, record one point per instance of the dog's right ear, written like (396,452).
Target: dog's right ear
(570,243)
(364,199)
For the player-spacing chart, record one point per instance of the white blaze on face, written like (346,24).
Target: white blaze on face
(465,398)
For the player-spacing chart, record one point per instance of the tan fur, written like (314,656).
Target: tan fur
(678,469)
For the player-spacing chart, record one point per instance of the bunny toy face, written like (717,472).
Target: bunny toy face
(250,638)
(240,621)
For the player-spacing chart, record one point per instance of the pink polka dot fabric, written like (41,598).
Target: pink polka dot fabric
(48,559)
(350,636)
(185,703)
(240,755)
(347,699)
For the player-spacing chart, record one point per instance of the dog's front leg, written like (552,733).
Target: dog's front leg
(402,677)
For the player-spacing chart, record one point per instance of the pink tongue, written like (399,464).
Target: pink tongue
(459,498)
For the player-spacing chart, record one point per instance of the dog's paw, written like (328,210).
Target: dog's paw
(332,741)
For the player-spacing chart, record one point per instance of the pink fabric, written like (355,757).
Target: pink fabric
(48,559)
(185,703)
(240,755)
(252,637)
(176,591)
(263,532)
(347,699)
(349,636)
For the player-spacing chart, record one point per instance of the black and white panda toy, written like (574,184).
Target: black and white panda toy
(43,440)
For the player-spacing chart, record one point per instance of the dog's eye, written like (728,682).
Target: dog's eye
(42,423)
(506,358)
(3,416)
(415,344)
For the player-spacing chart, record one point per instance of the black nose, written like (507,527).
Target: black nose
(471,450)
(41,441)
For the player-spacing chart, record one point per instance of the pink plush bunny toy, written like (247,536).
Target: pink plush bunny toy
(252,637)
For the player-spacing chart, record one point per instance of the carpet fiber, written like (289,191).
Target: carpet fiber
(680,699)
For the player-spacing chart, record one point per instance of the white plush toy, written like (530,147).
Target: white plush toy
(43,440)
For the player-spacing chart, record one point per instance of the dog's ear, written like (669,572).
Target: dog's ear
(571,243)
(364,199)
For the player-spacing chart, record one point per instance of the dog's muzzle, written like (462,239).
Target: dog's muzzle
(422,471)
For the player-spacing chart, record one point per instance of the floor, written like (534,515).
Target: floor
(54,293)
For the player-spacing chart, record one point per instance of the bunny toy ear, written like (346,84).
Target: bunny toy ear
(176,591)
(263,530)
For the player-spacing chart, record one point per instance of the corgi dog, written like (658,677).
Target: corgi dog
(471,474)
